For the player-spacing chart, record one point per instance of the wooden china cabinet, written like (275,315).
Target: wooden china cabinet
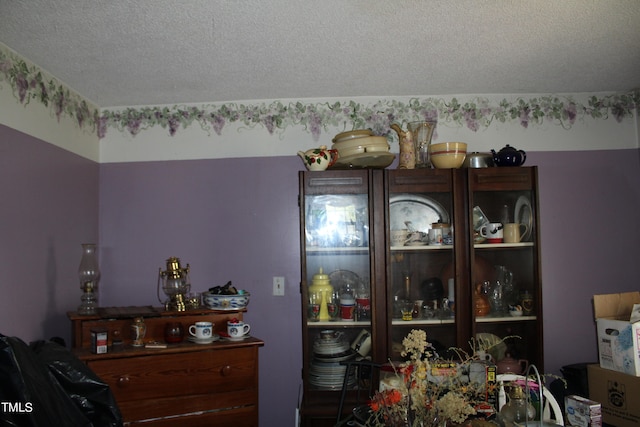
(347,221)
(187,383)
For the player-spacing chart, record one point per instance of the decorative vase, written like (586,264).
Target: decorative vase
(421,134)
(407,157)
(138,331)
(481,302)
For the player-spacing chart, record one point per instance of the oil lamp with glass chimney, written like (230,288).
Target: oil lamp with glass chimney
(89,274)
(175,284)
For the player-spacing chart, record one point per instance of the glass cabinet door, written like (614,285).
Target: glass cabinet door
(421,272)
(338,298)
(505,257)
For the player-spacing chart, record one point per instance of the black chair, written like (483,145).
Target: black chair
(361,377)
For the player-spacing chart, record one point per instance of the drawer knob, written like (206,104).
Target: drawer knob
(226,370)
(123,381)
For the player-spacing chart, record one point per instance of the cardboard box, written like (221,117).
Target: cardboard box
(618,395)
(99,338)
(618,337)
(582,412)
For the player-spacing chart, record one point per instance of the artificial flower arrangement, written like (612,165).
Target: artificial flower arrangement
(432,391)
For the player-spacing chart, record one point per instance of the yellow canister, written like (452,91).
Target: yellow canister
(321,286)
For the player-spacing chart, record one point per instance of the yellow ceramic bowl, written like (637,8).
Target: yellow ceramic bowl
(448,155)
(447,147)
(448,160)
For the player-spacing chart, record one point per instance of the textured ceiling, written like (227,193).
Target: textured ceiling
(148,52)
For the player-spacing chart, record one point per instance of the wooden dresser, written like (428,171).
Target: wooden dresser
(184,384)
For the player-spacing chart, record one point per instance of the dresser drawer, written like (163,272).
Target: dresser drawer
(170,375)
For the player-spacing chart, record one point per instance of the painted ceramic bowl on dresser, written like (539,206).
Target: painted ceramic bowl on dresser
(225,302)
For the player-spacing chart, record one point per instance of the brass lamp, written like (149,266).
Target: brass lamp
(175,285)
(89,274)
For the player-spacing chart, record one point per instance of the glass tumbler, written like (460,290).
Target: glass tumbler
(173,332)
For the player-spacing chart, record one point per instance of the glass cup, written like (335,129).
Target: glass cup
(333,306)
(407,310)
(173,332)
(314,307)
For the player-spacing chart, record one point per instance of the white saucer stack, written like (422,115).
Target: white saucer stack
(326,372)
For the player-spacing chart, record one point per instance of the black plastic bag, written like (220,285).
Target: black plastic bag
(44,385)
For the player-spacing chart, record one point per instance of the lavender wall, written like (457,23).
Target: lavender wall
(232,219)
(49,206)
(589,204)
(236,219)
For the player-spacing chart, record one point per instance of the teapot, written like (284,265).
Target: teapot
(509,365)
(509,156)
(318,159)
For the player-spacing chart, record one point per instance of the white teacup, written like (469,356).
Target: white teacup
(201,330)
(238,329)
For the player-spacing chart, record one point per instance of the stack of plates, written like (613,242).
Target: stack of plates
(361,149)
(326,372)
(329,376)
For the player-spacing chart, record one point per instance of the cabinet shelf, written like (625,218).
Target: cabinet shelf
(422,248)
(335,323)
(416,322)
(503,245)
(341,250)
(490,319)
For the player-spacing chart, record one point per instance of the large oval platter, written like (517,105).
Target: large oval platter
(419,211)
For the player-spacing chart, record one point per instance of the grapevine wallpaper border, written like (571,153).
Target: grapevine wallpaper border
(29,83)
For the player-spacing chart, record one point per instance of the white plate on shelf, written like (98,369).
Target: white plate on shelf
(204,340)
(524,215)
(421,211)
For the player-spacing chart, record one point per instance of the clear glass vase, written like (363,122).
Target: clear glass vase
(422,132)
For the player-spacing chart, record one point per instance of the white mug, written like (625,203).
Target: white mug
(399,237)
(201,330)
(238,329)
(492,232)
